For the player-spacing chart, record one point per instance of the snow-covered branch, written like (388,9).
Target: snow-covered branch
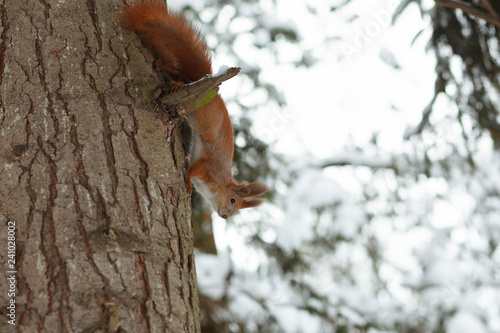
(359,159)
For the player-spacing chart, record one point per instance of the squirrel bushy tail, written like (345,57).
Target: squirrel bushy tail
(183,52)
(180,47)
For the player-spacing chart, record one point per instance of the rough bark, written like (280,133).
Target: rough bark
(103,233)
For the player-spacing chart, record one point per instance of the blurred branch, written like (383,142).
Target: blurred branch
(399,164)
(423,123)
(359,159)
(490,8)
(490,17)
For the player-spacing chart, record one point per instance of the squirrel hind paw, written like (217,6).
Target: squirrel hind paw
(167,75)
(174,85)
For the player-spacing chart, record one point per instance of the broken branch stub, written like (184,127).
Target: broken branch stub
(184,100)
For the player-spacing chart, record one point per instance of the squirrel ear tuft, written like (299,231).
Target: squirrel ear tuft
(253,202)
(250,190)
(256,189)
(241,190)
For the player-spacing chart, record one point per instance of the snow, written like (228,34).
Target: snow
(179,4)
(465,322)
(212,281)
(222,70)
(373,330)
(271,22)
(357,158)
(441,272)
(244,305)
(313,190)
(296,321)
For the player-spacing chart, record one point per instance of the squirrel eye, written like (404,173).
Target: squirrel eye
(233,201)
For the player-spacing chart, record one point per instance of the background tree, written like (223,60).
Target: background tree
(468,31)
(103,231)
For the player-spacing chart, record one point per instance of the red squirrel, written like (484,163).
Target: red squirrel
(183,53)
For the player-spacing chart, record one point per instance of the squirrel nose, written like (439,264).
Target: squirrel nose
(223,213)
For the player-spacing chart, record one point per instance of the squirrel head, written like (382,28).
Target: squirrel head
(230,199)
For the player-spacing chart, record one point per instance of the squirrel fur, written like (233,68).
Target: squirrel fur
(182,52)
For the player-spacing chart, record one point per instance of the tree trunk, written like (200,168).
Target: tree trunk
(91,192)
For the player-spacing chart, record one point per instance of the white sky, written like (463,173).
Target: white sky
(344,100)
